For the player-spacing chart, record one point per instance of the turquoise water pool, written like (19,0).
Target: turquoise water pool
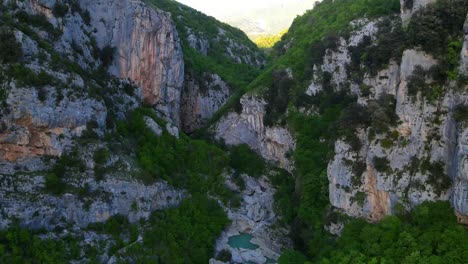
(242,241)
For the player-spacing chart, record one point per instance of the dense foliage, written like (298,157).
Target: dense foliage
(185,234)
(19,246)
(245,160)
(430,234)
(185,163)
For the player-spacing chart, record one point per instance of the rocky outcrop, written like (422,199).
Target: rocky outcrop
(417,141)
(460,192)
(464,52)
(409,7)
(256,218)
(36,128)
(196,42)
(202,98)
(272,143)
(336,61)
(147,49)
(23,198)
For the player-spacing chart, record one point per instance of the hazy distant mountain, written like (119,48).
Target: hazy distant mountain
(269,20)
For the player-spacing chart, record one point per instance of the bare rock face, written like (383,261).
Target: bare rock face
(24,199)
(375,193)
(148,49)
(460,166)
(272,143)
(201,99)
(464,52)
(34,128)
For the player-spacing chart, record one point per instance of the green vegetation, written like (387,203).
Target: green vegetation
(382,164)
(430,234)
(100,158)
(461,113)
(327,18)
(375,55)
(244,160)
(13,247)
(10,49)
(60,9)
(54,180)
(185,234)
(432,91)
(39,21)
(185,163)
(267,42)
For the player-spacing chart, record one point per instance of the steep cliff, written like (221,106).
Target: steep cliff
(273,143)
(147,47)
(219,61)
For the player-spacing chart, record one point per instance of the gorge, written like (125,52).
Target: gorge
(144,131)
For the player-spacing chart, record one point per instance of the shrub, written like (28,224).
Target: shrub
(461,113)
(244,160)
(54,184)
(437,177)
(417,80)
(39,21)
(101,156)
(383,114)
(433,27)
(408,4)
(107,55)
(224,256)
(277,97)
(381,164)
(60,9)
(10,49)
(386,143)
(359,198)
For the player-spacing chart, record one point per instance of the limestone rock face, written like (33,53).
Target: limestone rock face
(147,48)
(23,198)
(272,143)
(35,128)
(202,98)
(460,166)
(418,138)
(151,124)
(336,61)
(464,52)
(375,193)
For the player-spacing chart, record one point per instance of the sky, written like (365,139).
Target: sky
(257,11)
(223,8)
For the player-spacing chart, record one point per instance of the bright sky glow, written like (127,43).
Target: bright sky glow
(222,9)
